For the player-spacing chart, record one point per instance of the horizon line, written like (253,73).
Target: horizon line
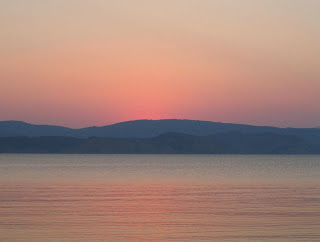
(134,120)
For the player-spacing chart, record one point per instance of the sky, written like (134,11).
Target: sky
(82,63)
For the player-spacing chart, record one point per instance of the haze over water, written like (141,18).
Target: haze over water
(159,197)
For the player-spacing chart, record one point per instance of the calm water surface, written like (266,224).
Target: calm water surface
(159,197)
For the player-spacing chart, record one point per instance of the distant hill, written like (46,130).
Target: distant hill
(19,128)
(137,129)
(151,128)
(168,143)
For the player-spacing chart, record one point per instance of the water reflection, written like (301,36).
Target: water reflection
(187,206)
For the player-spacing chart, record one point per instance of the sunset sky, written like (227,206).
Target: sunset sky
(95,62)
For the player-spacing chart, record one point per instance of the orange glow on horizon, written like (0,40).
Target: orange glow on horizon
(99,63)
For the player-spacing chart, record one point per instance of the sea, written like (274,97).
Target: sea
(55,197)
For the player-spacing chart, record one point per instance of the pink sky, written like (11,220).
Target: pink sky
(83,63)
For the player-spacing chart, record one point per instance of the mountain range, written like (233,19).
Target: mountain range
(158,136)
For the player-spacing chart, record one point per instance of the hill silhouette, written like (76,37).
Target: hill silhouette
(19,128)
(158,136)
(136,129)
(168,143)
(151,128)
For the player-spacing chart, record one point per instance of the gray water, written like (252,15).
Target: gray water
(159,197)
